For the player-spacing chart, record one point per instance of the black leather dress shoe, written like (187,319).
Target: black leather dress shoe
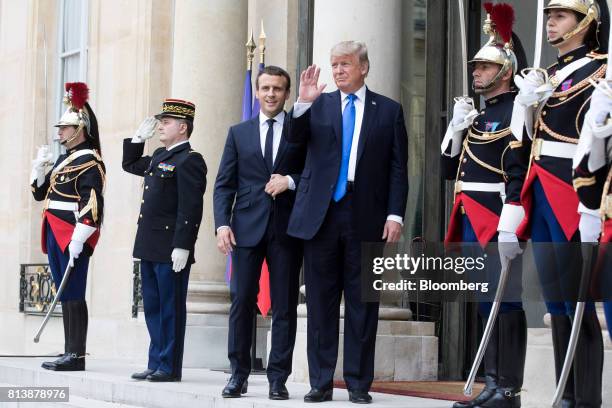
(50,365)
(162,376)
(278,391)
(360,397)
(317,395)
(143,375)
(235,388)
(69,362)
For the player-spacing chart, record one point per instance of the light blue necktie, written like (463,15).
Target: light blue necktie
(348,127)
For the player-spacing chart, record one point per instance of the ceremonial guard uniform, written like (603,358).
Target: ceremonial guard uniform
(488,177)
(553,213)
(592,181)
(168,224)
(73,194)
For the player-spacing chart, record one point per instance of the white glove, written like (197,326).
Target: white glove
(80,235)
(146,130)
(508,245)
(463,113)
(463,116)
(533,88)
(590,227)
(600,107)
(179,259)
(39,164)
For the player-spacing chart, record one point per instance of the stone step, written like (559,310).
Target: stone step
(108,384)
(73,402)
(539,384)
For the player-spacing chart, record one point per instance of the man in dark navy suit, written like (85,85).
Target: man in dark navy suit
(353,190)
(168,224)
(254,195)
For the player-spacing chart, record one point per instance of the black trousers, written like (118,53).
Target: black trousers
(284,258)
(332,265)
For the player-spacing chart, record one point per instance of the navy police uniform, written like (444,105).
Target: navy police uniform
(170,216)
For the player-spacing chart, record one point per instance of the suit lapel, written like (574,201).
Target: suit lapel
(281,148)
(336,117)
(369,115)
(255,142)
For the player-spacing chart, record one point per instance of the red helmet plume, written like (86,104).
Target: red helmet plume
(78,94)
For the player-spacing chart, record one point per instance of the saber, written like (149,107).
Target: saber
(537,54)
(54,303)
(503,280)
(587,255)
(462,26)
(46,78)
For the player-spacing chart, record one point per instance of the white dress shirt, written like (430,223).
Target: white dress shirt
(299,108)
(276,139)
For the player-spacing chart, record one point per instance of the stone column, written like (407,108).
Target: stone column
(375,22)
(207,68)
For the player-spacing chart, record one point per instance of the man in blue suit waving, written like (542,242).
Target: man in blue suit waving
(353,189)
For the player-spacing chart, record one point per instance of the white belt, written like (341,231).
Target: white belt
(555,149)
(484,187)
(62,205)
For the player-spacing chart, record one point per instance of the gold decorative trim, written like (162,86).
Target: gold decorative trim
(555,135)
(606,199)
(597,56)
(178,109)
(488,136)
(92,205)
(580,182)
(482,163)
(601,71)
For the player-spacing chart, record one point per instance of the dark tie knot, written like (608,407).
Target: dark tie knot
(270,122)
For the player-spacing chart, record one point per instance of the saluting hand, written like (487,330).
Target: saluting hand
(225,240)
(277,185)
(392,231)
(309,84)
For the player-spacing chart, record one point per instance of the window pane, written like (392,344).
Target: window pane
(71,68)
(413,100)
(72,24)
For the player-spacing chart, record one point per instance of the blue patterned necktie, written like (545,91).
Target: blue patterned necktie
(348,127)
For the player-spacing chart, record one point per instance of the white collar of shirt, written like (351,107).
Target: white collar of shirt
(280,118)
(360,94)
(177,144)
(277,130)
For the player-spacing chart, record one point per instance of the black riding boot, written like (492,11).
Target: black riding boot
(50,365)
(78,338)
(588,363)
(490,368)
(510,361)
(561,326)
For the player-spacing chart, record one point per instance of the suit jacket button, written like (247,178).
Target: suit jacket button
(462,173)
(185,222)
(140,215)
(151,173)
(146,187)
(166,227)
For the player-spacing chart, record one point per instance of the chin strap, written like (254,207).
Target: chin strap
(76,134)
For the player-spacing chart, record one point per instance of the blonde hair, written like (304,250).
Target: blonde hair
(352,48)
